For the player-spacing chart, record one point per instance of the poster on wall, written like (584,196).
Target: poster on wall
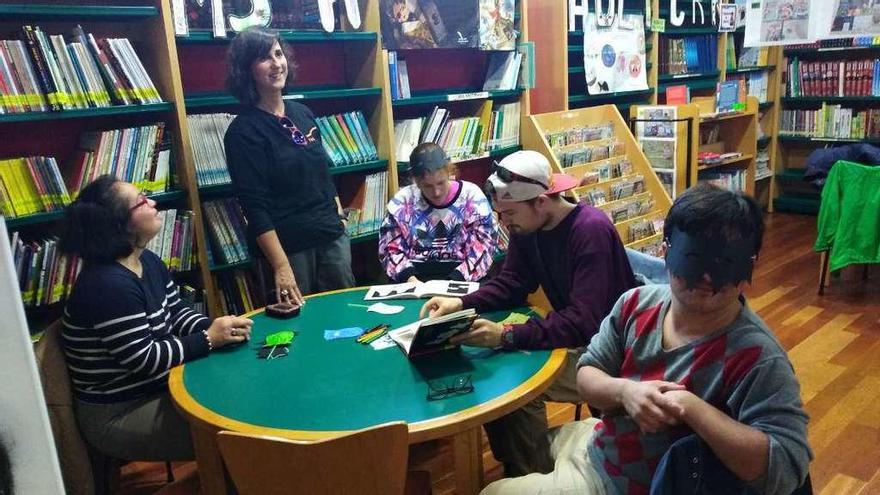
(614,56)
(408,24)
(496,25)
(850,18)
(785,22)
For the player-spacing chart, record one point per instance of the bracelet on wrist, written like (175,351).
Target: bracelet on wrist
(208,340)
(507,336)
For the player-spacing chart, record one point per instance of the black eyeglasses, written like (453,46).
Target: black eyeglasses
(507,176)
(439,390)
(296,135)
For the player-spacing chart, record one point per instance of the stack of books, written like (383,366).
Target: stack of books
(226,228)
(174,243)
(140,155)
(461,138)
(346,138)
(41,72)
(31,185)
(833,78)
(44,274)
(831,121)
(206,133)
(688,55)
(399,76)
(735,180)
(366,210)
(241,293)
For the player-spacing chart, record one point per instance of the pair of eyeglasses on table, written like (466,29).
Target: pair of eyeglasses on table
(440,389)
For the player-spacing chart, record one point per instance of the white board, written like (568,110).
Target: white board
(25,433)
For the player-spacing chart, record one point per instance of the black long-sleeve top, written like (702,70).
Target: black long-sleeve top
(282,185)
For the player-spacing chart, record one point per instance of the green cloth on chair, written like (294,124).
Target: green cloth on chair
(849,218)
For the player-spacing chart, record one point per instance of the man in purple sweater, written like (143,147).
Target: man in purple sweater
(574,254)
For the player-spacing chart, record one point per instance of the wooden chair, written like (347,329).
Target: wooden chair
(83,469)
(371,461)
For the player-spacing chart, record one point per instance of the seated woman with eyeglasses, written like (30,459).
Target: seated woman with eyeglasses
(281,173)
(125,327)
(437,227)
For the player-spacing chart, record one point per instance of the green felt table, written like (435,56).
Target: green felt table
(333,385)
(327,387)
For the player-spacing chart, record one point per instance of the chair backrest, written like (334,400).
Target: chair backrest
(72,450)
(371,461)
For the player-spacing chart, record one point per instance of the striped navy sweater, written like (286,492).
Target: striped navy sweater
(123,334)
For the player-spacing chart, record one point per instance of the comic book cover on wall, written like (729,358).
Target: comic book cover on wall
(239,14)
(614,56)
(410,24)
(496,25)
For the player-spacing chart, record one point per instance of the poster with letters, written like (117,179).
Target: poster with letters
(614,56)
(785,22)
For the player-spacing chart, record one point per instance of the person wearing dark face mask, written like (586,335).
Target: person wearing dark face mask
(688,357)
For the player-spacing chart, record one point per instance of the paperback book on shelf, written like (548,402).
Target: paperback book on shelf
(447,288)
(209,154)
(431,335)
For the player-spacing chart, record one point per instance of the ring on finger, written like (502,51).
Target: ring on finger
(284,292)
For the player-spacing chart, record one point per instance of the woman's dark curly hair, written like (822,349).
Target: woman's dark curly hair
(249,46)
(96,224)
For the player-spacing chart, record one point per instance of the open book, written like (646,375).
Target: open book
(432,334)
(450,288)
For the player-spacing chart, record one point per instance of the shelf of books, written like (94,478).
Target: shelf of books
(342,77)
(596,145)
(718,146)
(829,96)
(98,77)
(473,107)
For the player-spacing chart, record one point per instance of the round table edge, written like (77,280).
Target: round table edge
(419,431)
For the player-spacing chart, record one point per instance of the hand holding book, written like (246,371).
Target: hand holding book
(483,333)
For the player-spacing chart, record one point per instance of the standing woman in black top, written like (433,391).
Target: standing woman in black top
(281,173)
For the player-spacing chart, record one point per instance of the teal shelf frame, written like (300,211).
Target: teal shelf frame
(231,266)
(800,52)
(443,96)
(359,167)
(215,190)
(207,37)
(404,166)
(807,140)
(79,12)
(85,113)
(53,216)
(755,68)
(369,236)
(644,93)
(677,31)
(686,77)
(818,100)
(203,100)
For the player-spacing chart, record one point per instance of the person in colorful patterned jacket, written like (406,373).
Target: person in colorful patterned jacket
(438,227)
(685,358)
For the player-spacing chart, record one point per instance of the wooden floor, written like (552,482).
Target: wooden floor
(833,341)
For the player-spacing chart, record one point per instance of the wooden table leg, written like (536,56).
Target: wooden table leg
(468,458)
(212,475)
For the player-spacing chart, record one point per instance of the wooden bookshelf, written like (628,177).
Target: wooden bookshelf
(737,133)
(790,152)
(561,73)
(148,27)
(457,88)
(534,137)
